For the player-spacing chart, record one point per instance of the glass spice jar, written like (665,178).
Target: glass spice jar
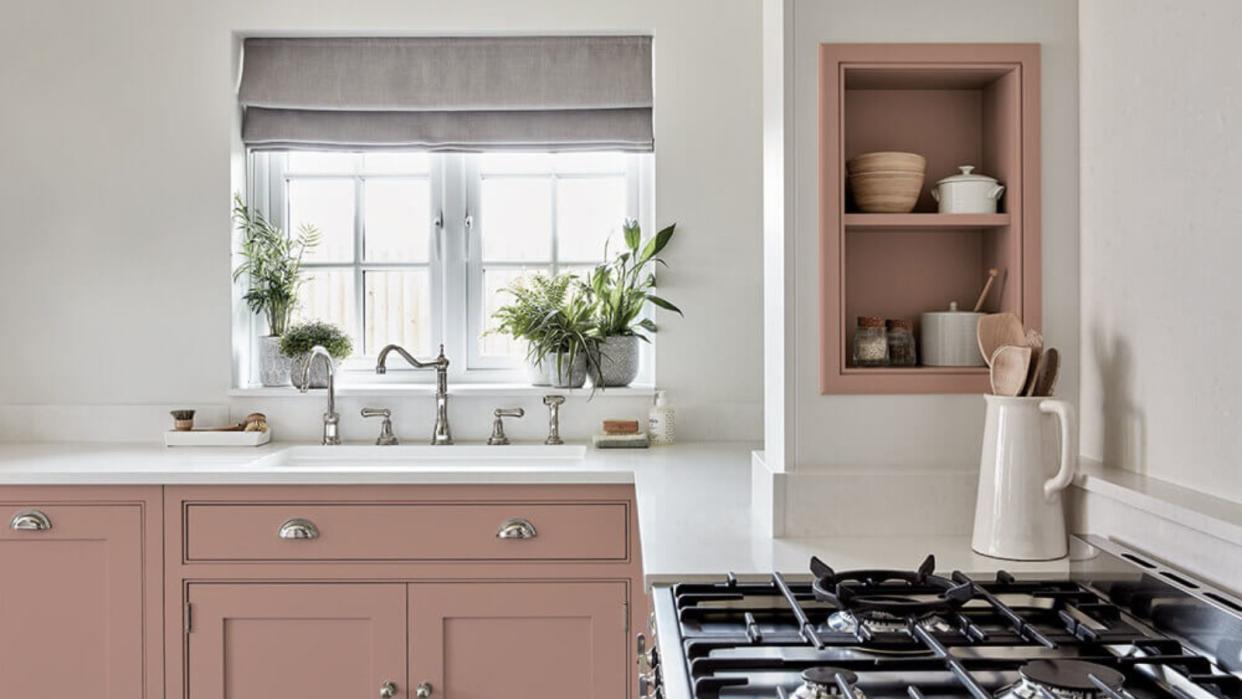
(870,342)
(901,350)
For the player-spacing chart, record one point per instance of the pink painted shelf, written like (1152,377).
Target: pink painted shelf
(881,222)
(955,104)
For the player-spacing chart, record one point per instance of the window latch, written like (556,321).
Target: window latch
(469,221)
(438,221)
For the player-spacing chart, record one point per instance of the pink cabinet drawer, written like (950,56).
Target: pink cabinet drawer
(406,531)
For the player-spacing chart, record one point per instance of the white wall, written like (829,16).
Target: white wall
(929,432)
(1161,239)
(115,189)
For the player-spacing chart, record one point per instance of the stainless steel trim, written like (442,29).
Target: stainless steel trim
(423,690)
(30,521)
(298,529)
(388,689)
(516,528)
(674,680)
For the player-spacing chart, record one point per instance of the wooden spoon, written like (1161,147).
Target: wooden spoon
(1034,340)
(1009,368)
(996,331)
(1046,374)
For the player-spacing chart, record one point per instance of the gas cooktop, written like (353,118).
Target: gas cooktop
(1120,626)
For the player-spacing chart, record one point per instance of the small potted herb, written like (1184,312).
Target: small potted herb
(298,341)
(272,266)
(621,289)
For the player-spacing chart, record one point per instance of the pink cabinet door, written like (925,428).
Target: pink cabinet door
(304,640)
(71,601)
(552,640)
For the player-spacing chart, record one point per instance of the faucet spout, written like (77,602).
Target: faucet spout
(441,434)
(331,420)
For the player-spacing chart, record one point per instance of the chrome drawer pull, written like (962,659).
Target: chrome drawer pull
(516,528)
(299,529)
(30,521)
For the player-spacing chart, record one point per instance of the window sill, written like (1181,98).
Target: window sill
(483,390)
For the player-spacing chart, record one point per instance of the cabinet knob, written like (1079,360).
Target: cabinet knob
(423,690)
(516,528)
(30,521)
(388,689)
(298,529)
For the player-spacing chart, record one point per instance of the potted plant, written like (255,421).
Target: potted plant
(534,299)
(298,341)
(567,340)
(272,265)
(621,289)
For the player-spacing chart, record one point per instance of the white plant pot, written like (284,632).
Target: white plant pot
(318,372)
(537,372)
(618,361)
(570,375)
(273,365)
(1019,514)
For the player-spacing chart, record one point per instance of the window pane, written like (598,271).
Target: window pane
(581,163)
(494,296)
(328,205)
(322,162)
(517,219)
(398,310)
(328,295)
(397,163)
(398,220)
(589,214)
(511,163)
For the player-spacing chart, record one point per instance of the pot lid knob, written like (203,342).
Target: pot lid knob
(966,169)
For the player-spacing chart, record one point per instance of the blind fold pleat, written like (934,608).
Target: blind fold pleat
(448,94)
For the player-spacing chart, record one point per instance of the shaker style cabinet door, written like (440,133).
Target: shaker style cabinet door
(71,601)
(303,640)
(552,640)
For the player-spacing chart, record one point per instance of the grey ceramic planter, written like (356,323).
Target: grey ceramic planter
(273,364)
(318,373)
(570,375)
(618,361)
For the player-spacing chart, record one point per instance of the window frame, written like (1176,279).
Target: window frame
(454,263)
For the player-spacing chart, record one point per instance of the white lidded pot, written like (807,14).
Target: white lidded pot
(1019,512)
(948,338)
(968,193)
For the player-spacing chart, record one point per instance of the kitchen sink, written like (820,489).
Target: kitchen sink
(371,456)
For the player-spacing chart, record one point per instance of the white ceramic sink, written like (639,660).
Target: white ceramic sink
(412,455)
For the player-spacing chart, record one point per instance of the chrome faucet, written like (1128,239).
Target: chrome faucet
(440,434)
(331,421)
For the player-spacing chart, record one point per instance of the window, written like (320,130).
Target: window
(417,248)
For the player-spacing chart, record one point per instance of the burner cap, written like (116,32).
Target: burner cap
(1071,674)
(827,676)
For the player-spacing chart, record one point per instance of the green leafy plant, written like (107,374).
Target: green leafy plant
(569,332)
(623,286)
(300,339)
(272,264)
(534,299)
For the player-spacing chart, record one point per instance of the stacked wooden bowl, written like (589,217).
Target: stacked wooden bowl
(886,182)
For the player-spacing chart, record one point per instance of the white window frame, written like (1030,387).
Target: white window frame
(454,262)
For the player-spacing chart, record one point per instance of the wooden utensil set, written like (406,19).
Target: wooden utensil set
(1020,364)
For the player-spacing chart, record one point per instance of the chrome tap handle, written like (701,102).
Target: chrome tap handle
(554,418)
(386,438)
(498,437)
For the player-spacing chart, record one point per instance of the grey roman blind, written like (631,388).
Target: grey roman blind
(558,93)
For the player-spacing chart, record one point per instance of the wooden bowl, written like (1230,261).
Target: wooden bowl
(886,192)
(887,161)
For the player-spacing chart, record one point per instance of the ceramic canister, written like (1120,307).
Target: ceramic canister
(949,338)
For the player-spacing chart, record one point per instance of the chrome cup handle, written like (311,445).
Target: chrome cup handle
(517,528)
(30,521)
(298,529)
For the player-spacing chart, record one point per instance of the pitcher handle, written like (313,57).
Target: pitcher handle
(1069,452)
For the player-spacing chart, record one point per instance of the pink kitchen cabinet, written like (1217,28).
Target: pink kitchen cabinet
(80,593)
(310,641)
(553,640)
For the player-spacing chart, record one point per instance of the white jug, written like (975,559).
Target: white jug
(1019,514)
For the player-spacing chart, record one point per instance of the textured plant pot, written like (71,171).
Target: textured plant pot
(273,365)
(318,374)
(537,372)
(618,361)
(571,374)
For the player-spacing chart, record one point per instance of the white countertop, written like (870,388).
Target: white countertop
(693,499)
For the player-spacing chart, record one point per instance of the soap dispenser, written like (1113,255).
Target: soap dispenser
(661,422)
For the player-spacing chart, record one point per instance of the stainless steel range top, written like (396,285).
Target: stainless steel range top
(1120,627)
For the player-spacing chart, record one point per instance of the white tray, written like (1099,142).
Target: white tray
(205,438)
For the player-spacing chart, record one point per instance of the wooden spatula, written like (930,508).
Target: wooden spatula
(1045,381)
(996,331)
(1009,368)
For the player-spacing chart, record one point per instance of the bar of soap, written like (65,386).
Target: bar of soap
(621,441)
(620,426)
